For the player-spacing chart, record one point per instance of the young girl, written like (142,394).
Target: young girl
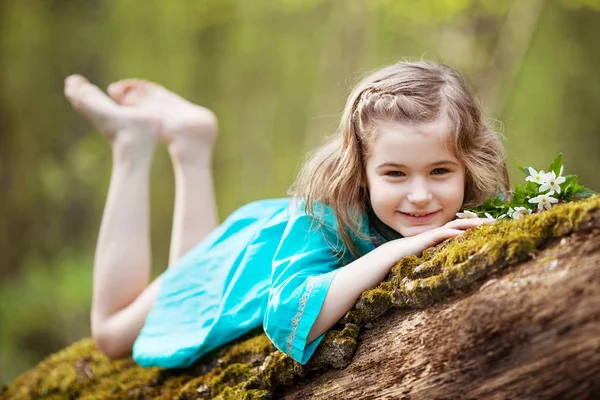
(410,152)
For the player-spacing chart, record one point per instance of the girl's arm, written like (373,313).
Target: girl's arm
(370,270)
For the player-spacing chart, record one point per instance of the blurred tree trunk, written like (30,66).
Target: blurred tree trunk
(10,258)
(531,334)
(514,41)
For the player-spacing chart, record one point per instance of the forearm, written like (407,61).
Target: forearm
(370,270)
(352,280)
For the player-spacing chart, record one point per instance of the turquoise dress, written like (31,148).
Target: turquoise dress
(266,264)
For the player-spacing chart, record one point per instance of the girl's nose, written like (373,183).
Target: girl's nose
(420,195)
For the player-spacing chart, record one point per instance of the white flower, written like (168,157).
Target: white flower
(537,177)
(519,212)
(544,201)
(467,214)
(489,216)
(553,183)
(502,216)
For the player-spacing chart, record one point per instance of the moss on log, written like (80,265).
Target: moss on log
(459,288)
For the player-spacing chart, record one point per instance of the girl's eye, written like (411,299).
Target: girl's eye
(440,171)
(394,173)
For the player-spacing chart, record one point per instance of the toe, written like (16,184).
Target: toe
(87,97)
(128,91)
(73,83)
(75,79)
(117,90)
(135,94)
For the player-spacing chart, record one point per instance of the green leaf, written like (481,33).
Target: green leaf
(499,204)
(556,164)
(524,169)
(569,186)
(583,193)
(532,188)
(519,195)
(570,181)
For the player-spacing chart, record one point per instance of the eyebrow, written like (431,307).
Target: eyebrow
(434,164)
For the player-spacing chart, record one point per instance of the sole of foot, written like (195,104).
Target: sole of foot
(116,122)
(182,121)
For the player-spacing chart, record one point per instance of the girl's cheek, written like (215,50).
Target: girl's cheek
(394,188)
(456,190)
(449,190)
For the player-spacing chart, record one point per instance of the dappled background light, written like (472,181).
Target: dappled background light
(277,74)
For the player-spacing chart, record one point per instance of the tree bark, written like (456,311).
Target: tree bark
(527,330)
(533,333)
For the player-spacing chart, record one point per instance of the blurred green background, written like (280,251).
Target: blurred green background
(277,74)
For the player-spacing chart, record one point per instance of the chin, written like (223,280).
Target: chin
(409,231)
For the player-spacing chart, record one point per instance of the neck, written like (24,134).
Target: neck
(379,227)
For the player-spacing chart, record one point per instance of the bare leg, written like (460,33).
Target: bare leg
(122,265)
(189,132)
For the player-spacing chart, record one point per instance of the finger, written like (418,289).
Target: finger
(468,223)
(447,233)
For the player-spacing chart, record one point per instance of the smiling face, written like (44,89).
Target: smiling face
(415,181)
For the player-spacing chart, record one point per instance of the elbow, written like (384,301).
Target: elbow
(315,332)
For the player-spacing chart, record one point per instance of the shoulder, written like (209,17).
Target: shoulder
(318,214)
(321,220)
(315,221)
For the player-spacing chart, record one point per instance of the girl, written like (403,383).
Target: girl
(410,152)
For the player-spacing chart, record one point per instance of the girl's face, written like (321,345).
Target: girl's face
(415,181)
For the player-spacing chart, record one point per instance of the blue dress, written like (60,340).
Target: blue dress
(266,264)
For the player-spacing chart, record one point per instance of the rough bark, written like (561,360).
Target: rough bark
(533,333)
(510,311)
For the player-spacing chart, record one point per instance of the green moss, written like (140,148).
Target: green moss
(241,394)
(373,303)
(254,369)
(230,376)
(336,349)
(80,371)
(253,350)
(456,265)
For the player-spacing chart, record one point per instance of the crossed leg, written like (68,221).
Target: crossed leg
(138,116)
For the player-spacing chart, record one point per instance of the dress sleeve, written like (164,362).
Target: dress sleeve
(304,265)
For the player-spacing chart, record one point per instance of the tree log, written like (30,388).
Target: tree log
(533,333)
(507,311)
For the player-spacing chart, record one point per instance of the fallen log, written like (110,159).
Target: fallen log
(509,310)
(533,333)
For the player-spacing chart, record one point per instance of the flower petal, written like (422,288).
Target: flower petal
(549,177)
(466,215)
(544,187)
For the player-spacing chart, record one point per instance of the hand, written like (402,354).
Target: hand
(416,244)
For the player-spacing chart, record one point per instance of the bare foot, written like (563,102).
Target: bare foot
(119,124)
(184,124)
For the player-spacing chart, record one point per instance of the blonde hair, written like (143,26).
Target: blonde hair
(405,92)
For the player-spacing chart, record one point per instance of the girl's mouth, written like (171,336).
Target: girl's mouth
(419,217)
